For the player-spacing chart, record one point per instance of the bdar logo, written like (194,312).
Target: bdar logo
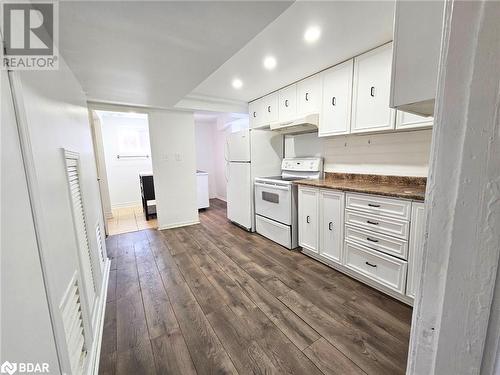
(8,368)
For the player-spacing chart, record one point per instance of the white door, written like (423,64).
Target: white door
(255,113)
(335,116)
(415,248)
(238,146)
(239,194)
(308,218)
(371,91)
(287,103)
(406,120)
(270,108)
(309,95)
(331,206)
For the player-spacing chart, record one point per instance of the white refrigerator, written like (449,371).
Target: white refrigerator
(249,153)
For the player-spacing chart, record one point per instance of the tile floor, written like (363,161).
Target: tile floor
(129,219)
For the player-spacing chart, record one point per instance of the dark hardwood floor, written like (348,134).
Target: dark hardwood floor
(212,298)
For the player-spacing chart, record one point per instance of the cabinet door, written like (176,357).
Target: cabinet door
(308,218)
(255,113)
(309,95)
(415,248)
(331,224)
(270,108)
(335,116)
(371,90)
(287,103)
(406,120)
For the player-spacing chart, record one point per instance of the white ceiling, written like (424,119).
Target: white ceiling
(154,53)
(348,29)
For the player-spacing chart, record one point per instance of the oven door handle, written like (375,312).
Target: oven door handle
(272,186)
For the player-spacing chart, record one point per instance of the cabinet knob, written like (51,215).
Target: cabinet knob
(308,219)
(334,100)
(269,108)
(254,114)
(372,91)
(307,96)
(371,265)
(330,225)
(286,103)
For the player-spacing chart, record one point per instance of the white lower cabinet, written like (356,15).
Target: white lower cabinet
(375,247)
(308,218)
(415,248)
(331,224)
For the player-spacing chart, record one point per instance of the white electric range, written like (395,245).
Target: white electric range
(276,200)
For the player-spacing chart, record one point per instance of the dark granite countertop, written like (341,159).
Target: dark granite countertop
(389,186)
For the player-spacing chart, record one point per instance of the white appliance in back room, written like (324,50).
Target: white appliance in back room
(249,153)
(276,200)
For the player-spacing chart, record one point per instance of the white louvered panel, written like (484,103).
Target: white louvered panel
(87,271)
(100,243)
(73,327)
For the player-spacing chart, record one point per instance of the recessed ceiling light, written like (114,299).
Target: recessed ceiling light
(312,34)
(269,62)
(237,83)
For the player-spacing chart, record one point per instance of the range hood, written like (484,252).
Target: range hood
(304,124)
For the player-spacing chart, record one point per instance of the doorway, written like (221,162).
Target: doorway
(125,168)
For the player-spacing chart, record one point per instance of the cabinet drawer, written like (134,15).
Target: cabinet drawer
(377,223)
(389,245)
(395,208)
(275,231)
(383,269)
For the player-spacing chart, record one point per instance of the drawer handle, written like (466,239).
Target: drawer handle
(371,239)
(374,205)
(330,225)
(371,222)
(371,265)
(308,219)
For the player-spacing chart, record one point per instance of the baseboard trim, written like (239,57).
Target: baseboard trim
(178,225)
(96,347)
(108,215)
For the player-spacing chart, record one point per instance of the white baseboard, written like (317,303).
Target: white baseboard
(126,204)
(108,215)
(95,352)
(178,225)
(220,198)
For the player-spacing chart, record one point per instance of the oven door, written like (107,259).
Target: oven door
(274,201)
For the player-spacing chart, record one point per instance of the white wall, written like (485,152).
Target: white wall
(174,167)
(205,134)
(400,154)
(123,173)
(54,114)
(25,326)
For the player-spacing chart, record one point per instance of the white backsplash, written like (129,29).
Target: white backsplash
(399,154)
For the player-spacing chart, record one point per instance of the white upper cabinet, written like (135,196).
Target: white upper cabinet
(417,45)
(270,108)
(331,222)
(256,113)
(287,106)
(309,95)
(335,115)
(405,120)
(371,91)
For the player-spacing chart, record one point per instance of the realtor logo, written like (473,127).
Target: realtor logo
(8,368)
(30,31)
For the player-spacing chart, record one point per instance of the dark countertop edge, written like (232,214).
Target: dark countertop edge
(325,185)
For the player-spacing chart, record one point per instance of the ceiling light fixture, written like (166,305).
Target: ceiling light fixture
(237,83)
(312,34)
(269,62)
